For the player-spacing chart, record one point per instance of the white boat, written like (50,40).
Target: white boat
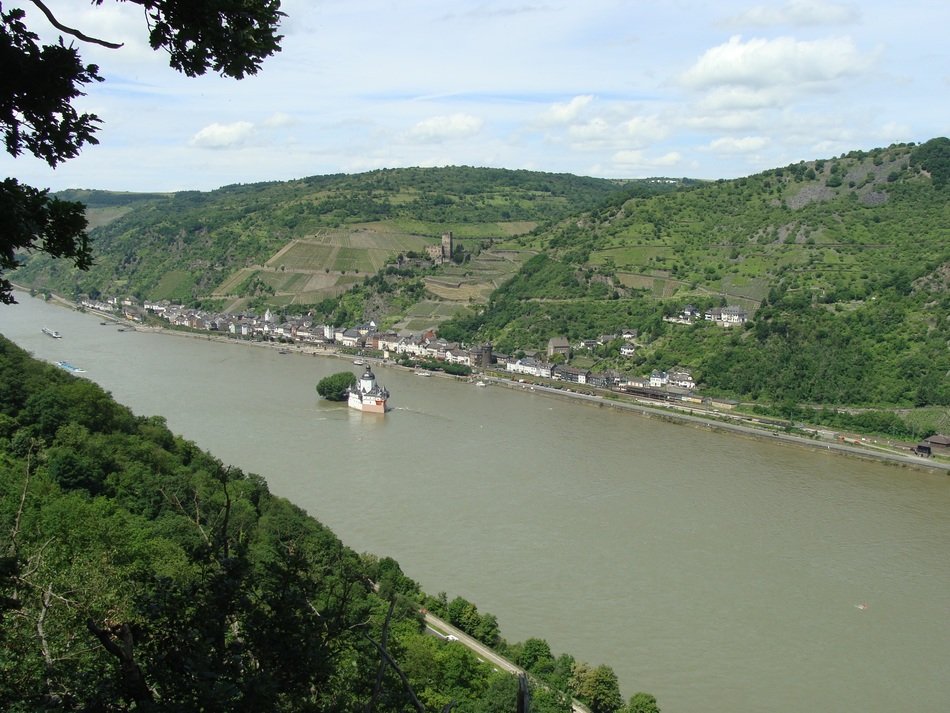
(423,373)
(52,333)
(367,395)
(359,362)
(71,368)
(480,383)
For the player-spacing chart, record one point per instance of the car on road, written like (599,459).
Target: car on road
(450,637)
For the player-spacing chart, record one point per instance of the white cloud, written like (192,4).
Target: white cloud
(613,132)
(783,62)
(740,120)
(733,99)
(564,113)
(799,13)
(635,160)
(894,131)
(444,128)
(278,120)
(678,86)
(646,129)
(746,144)
(595,130)
(222,136)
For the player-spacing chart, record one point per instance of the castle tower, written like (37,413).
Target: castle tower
(447,245)
(367,381)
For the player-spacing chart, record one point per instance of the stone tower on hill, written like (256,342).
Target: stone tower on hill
(442,252)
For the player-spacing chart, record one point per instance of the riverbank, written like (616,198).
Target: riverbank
(854,445)
(738,425)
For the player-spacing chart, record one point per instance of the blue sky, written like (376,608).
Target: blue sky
(607,88)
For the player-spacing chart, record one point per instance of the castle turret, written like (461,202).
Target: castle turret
(367,381)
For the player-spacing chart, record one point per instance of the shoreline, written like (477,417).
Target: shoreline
(689,416)
(715,424)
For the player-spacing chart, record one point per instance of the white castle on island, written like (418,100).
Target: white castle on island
(367,395)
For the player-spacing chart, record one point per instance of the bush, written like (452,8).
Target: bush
(334,387)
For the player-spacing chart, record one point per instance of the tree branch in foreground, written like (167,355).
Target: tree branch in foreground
(70,31)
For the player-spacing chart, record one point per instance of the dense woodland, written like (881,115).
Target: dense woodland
(139,573)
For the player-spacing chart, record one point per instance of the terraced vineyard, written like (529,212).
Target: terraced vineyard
(307,270)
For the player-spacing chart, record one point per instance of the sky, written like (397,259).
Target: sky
(604,88)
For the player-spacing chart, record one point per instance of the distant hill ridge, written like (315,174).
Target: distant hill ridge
(183,246)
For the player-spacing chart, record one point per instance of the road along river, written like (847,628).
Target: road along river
(720,573)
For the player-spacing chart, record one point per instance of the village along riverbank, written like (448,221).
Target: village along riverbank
(735,422)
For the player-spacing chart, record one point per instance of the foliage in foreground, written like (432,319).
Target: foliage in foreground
(42,82)
(139,573)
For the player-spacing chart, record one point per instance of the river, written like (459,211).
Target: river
(722,574)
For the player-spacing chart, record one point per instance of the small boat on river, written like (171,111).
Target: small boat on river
(71,368)
(52,333)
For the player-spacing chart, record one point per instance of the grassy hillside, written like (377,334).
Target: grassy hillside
(298,242)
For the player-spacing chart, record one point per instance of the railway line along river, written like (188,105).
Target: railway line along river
(722,574)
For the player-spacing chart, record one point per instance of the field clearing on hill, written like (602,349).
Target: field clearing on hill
(475,280)
(456,292)
(97,217)
(174,284)
(322,281)
(739,290)
(383,236)
(639,281)
(295,282)
(751,291)
(429,232)
(359,260)
(631,256)
(231,283)
(936,418)
(363,249)
(427,314)
(300,255)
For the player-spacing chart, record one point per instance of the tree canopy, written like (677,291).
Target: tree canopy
(335,386)
(41,82)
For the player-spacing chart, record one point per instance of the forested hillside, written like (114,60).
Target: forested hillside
(139,573)
(186,245)
(843,266)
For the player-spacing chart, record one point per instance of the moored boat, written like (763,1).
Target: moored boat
(71,368)
(52,333)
